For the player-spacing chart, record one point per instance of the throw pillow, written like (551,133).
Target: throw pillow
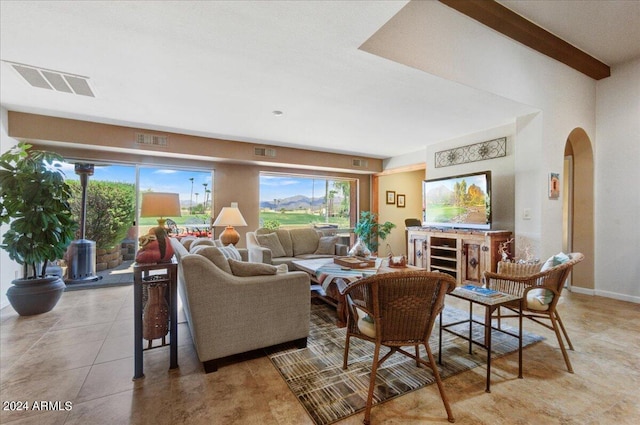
(231,251)
(366,324)
(272,242)
(555,260)
(245,269)
(539,299)
(216,256)
(282,268)
(327,245)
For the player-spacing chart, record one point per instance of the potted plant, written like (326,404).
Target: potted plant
(34,201)
(368,231)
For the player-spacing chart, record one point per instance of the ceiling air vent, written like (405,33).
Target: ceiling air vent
(362,163)
(54,80)
(264,152)
(152,140)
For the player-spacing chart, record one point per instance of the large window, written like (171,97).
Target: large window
(288,200)
(196,197)
(112,186)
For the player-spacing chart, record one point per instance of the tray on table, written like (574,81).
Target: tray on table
(355,262)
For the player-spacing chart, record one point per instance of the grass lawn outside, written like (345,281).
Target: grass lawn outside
(299,219)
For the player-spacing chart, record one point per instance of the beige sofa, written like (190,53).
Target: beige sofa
(285,245)
(229,314)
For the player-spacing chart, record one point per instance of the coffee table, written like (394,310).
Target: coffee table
(490,304)
(330,279)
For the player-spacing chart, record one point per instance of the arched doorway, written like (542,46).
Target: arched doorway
(578,208)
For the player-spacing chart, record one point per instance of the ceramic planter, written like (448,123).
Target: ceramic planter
(35,296)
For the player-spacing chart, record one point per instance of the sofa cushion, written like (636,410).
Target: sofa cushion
(200,242)
(216,256)
(245,269)
(272,242)
(187,241)
(305,241)
(327,245)
(283,235)
(285,240)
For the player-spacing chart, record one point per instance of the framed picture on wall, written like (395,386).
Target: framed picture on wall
(391,197)
(400,201)
(554,185)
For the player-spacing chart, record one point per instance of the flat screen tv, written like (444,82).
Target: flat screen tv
(462,201)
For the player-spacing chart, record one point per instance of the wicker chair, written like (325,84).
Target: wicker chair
(523,279)
(397,310)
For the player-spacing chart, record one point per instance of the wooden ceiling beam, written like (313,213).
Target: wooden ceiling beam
(509,23)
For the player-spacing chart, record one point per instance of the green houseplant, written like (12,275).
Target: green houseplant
(368,231)
(34,201)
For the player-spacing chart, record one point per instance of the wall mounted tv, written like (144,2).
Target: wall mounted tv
(462,201)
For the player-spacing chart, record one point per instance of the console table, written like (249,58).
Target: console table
(155,273)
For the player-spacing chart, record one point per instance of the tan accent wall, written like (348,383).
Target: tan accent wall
(236,175)
(90,135)
(408,183)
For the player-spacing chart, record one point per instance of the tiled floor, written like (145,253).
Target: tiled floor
(82,352)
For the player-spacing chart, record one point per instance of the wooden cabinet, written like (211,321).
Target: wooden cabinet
(464,254)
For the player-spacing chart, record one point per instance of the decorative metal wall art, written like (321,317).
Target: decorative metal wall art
(490,149)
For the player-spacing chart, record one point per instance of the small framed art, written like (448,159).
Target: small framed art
(391,197)
(554,185)
(400,201)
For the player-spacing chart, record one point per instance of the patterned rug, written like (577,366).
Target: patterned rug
(329,393)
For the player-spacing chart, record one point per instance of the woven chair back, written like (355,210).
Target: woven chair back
(405,305)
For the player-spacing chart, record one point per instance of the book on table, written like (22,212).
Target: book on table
(479,290)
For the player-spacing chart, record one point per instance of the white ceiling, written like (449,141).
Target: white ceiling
(220,68)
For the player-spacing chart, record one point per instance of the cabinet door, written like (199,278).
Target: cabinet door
(472,252)
(492,252)
(417,252)
(416,249)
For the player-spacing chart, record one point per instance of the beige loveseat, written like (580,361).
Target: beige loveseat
(285,245)
(230,314)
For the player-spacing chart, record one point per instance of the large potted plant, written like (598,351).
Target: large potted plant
(368,230)
(34,201)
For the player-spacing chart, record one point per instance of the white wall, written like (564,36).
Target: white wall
(436,39)
(502,171)
(8,268)
(617,181)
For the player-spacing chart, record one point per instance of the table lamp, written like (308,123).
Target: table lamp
(230,216)
(160,204)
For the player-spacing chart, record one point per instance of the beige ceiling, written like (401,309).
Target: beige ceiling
(220,68)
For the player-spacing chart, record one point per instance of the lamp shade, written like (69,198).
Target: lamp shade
(230,216)
(160,204)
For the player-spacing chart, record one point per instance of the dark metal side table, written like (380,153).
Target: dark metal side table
(147,274)
(490,304)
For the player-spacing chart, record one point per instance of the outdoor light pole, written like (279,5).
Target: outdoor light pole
(191,196)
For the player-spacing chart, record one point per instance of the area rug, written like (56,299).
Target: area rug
(329,393)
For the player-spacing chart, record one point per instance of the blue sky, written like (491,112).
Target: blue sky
(177,181)
(278,187)
(155,179)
